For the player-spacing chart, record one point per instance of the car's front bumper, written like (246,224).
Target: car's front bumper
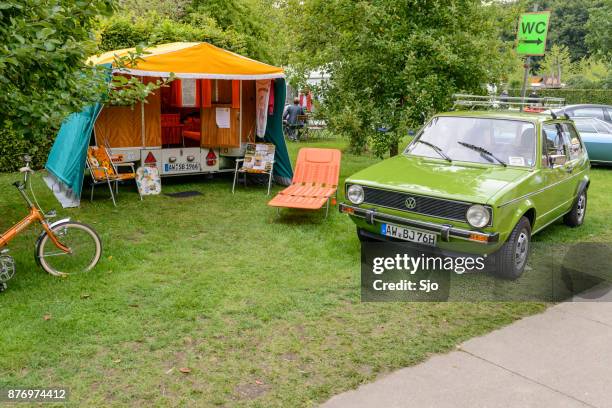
(446,231)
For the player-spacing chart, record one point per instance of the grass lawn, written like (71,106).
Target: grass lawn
(262,311)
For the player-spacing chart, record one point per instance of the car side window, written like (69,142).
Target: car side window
(589,112)
(572,140)
(552,144)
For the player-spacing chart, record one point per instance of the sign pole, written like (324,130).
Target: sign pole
(525,79)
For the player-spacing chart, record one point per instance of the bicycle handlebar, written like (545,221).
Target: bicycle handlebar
(23,185)
(26,170)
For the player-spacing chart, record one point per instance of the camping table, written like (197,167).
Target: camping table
(315,125)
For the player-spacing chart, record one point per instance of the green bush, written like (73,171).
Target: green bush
(348,122)
(125,31)
(573,96)
(13,144)
(43,78)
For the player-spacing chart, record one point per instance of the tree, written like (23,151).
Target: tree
(175,9)
(393,63)
(568,23)
(591,73)
(43,75)
(125,30)
(599,31)
(557,61)
(242,26)
(246,18)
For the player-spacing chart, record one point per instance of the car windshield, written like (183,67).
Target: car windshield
(479,140)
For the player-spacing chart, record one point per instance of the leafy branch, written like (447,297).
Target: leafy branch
(127,90)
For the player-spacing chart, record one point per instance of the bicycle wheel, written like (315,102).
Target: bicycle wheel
(85,249)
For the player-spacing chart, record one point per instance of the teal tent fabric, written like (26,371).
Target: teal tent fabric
(274,134)
(66,161)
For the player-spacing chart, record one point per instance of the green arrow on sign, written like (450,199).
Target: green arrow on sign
(532,32)
(538,41)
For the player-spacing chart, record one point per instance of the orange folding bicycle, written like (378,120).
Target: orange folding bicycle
(64,247)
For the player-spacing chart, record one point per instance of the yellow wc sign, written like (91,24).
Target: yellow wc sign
(532,32)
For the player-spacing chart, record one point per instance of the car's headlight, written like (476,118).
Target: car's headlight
(478,216)
(355,194)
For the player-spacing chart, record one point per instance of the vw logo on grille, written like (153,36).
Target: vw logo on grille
(410,203)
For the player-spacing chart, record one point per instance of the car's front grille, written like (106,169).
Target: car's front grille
(435,207)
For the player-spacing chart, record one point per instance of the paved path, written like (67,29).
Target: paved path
(560,358)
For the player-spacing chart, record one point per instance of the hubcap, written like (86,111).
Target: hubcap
(581,206)
(521,250)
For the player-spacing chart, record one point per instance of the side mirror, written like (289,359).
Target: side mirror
(558,160)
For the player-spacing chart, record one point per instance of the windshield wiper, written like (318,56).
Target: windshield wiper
(437,150)
(483,150)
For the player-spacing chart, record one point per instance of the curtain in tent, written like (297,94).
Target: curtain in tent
(262,90)
(274,134)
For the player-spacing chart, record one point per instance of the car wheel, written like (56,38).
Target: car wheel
(575,217)
(511,259)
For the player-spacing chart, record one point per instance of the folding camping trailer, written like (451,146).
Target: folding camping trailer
(201,122)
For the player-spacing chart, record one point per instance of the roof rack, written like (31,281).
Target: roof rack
(508,102)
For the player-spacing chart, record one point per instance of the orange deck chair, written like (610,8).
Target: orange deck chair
(104,171)
(314,182)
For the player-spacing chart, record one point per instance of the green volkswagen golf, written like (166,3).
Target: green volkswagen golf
(481,181)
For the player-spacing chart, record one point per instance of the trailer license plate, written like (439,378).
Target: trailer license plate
(181,167)
(408,234)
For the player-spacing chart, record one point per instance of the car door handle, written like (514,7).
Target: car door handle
(569,169)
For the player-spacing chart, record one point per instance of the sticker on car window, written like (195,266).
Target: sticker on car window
(516,161)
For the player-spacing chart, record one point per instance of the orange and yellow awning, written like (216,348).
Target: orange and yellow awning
(192,60)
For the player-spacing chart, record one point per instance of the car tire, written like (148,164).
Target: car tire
(575,217)
(511,259)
